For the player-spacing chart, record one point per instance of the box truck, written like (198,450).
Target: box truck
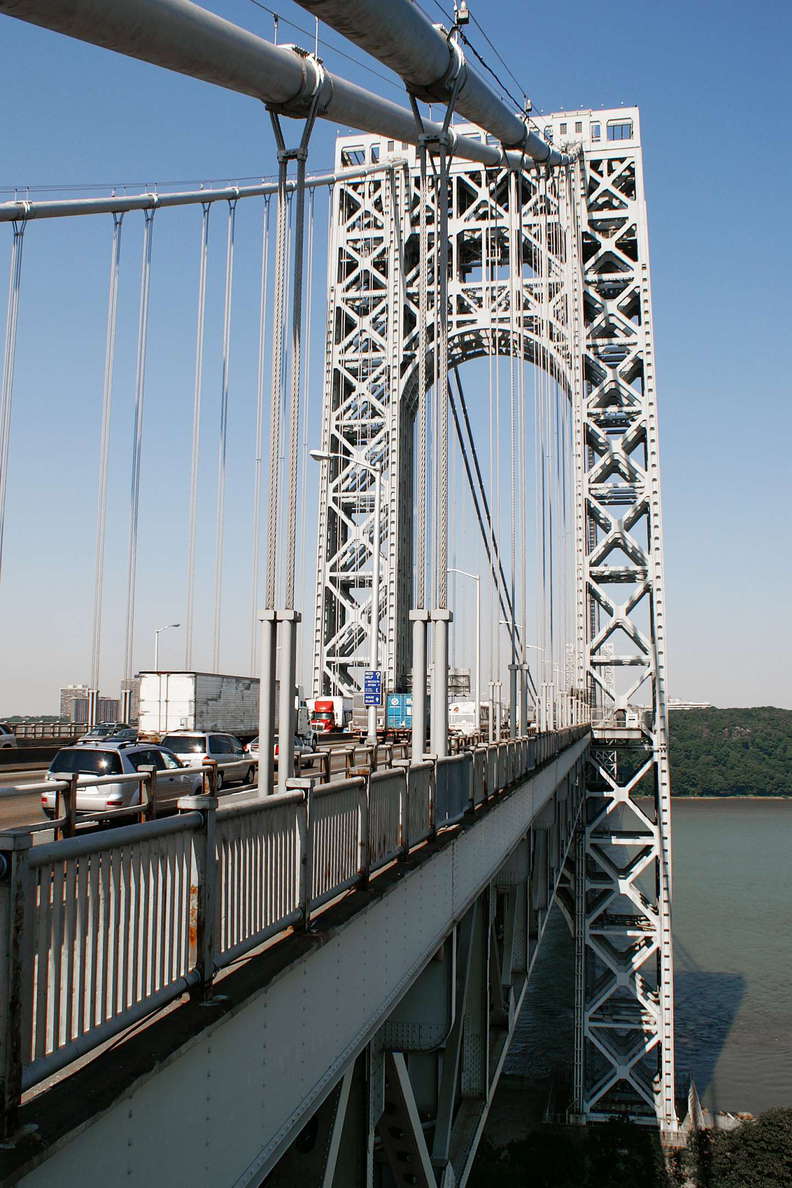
(328,715)
(172,701)
(398,711)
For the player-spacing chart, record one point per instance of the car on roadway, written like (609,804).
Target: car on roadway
(193,746)
(109,758)
(7,738)
(302,746)
(118,731)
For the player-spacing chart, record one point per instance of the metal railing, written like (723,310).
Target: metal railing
(47,730)
(98,930)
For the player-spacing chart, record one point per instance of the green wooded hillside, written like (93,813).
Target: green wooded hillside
(731,752)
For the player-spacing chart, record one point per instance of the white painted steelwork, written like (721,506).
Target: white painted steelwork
(583,315)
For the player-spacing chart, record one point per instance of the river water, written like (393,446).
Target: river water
(732,912)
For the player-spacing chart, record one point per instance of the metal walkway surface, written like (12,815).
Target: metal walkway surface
(238,1076)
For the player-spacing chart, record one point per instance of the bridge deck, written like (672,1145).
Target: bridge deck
(237,1076)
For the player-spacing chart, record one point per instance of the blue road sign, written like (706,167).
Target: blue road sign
(372,687)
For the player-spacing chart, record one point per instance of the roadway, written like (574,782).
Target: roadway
(26,809)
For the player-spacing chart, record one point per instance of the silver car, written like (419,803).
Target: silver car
(91,759)
(193,746)
(7,738)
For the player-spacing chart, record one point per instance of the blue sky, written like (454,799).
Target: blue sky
(710,81)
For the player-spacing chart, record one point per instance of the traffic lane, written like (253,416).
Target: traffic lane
(25,809)
(21,810)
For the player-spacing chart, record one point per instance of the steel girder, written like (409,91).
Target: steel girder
(371,373)
(597,340)
(411,1106)
(625,1050)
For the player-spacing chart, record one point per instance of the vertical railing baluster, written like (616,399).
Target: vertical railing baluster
(15,891)
(203,889)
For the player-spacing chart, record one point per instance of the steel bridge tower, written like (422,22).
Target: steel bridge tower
(581,309)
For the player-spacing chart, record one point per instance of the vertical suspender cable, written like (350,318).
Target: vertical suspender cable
(296,374)
(196,435)
(513,415)
(441,404)
(423,317)
(104,447)
(9,355)
(309,292)
(223,443)
(523,429)
(486,274)
(137,439)
(539,400)
(276,396)
(259,465)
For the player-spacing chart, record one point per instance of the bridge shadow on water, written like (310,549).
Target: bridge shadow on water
(517,1149)
(706,1006)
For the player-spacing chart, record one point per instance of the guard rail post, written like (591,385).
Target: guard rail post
(306,785)
(404,807)
(203,890)
(364,828)
(432,797)
(15,906)
(149,782)
(68,798)
(210,776)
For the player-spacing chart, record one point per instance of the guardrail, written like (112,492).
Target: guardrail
(66,814)
(98,930)
(55,730)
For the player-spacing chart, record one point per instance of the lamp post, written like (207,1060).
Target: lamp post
(376,471)
(475,577)
(157,633)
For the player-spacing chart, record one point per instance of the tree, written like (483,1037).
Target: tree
(758,1154)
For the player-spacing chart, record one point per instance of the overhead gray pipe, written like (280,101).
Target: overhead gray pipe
(402,37)
(184,37)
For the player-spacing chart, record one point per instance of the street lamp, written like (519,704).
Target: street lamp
(475,577)
(326,456)
(157,632)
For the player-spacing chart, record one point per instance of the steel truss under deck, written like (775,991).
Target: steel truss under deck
(582,310)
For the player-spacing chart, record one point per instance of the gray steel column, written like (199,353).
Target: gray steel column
(287,638)
(267,686)
(513,700)
(523,699)
(419,620)
(439,715)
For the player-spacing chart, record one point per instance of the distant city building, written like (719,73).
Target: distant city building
(677,703)
(74,703)
(108,709)
(79,710)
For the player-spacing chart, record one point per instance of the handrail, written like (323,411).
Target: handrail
(309,845)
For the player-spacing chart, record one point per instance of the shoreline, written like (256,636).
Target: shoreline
(727,796)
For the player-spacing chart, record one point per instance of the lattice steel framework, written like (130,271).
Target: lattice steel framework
(581,309)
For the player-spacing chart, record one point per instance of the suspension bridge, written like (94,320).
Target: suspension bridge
(317,981)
